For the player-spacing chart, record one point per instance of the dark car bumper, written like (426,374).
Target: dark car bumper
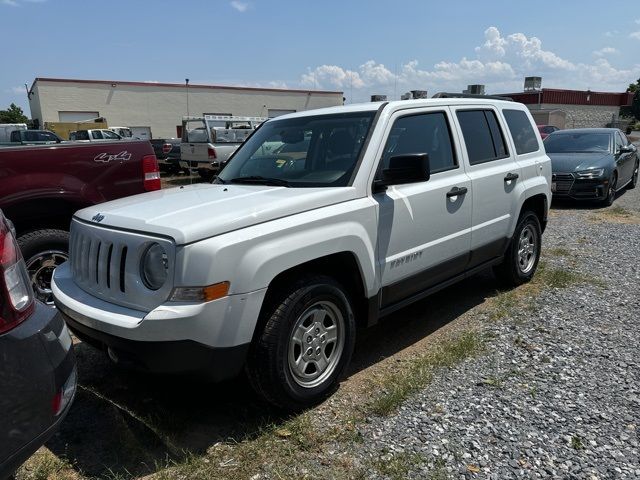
(173,357)
(38,361)
(567,186)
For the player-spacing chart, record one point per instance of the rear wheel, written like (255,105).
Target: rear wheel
(43,250)
(634,179)
(306,343)
(522,255)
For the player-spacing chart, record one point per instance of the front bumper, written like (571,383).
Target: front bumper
(567,186)
(173,357)
(173,338)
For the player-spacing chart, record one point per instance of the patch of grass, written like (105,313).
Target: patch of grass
(618,211)
(44,465)
(576,442)
(397,386)
(615,214)
(558,252)
(398,465)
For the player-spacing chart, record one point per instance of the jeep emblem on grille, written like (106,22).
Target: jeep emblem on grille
(97,218)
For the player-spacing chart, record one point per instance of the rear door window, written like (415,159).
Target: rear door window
(482,135)
(522,132)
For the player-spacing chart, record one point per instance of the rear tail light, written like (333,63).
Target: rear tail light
(15,289)
(166,148)
(211,152)
(151,173)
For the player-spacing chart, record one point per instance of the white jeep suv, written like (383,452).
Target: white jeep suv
(273,266)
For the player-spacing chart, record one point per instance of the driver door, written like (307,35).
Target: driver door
(424,230)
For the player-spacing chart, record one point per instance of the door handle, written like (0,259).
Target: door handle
(455,191)
(511,176)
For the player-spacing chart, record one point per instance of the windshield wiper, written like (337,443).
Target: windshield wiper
(260,180)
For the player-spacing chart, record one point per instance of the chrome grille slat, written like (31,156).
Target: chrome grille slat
(106,264)
(91,260)
(102,266)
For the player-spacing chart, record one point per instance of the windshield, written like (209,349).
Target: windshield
(577,142)
(314,151)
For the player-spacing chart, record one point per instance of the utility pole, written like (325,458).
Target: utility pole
(186,83)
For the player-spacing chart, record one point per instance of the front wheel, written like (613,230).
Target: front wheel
(634,179)
(306,343)
(611,191)
(523,253)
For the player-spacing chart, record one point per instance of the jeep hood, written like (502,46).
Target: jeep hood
(193,212)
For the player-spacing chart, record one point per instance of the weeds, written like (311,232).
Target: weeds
(396,387)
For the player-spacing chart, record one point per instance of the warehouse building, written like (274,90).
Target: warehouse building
(161,106)
(577,108)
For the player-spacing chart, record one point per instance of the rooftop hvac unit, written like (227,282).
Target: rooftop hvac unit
(532,84)
(475,89)
(419,94)
(406,96)
(378,98)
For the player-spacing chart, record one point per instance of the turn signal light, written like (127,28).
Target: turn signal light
(200,294)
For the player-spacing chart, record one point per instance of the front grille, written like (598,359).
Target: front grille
(106,264)
(563,182)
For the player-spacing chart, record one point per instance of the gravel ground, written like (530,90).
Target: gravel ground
(556,395)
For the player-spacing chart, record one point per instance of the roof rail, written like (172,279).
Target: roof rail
(226,118)
(470,95)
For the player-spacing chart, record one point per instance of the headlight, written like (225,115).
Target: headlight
(154,267)
(593,173)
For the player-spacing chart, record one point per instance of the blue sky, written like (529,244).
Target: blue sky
(359,47)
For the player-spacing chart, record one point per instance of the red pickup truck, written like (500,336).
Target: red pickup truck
(41,186)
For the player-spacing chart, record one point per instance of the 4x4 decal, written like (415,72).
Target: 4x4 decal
(107,157)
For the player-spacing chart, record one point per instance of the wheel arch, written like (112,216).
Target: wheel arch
(341,266)
(539,205)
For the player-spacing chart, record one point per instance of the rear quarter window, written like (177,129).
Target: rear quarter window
(522,132)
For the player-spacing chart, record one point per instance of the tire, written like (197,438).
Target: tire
(611,191)
(634,179)
(309,331)
(523,253)
(43,250)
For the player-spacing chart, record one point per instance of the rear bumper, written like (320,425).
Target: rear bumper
(37,361)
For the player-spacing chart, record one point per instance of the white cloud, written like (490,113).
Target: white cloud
(501,62)
(635,35)
(239,6)
(605,51)
(16,3)
(638,21)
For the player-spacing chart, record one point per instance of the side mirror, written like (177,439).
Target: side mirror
(627,148)
(409,168)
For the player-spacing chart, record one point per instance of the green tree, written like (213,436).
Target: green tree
(634,109)
(13,114)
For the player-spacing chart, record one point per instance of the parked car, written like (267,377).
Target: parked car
(37,368)
(546,130)
(32,137)
(271,267)
(167,152)
(95,135)
(591,163)
(43,185)
(7,128)
(124,132)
